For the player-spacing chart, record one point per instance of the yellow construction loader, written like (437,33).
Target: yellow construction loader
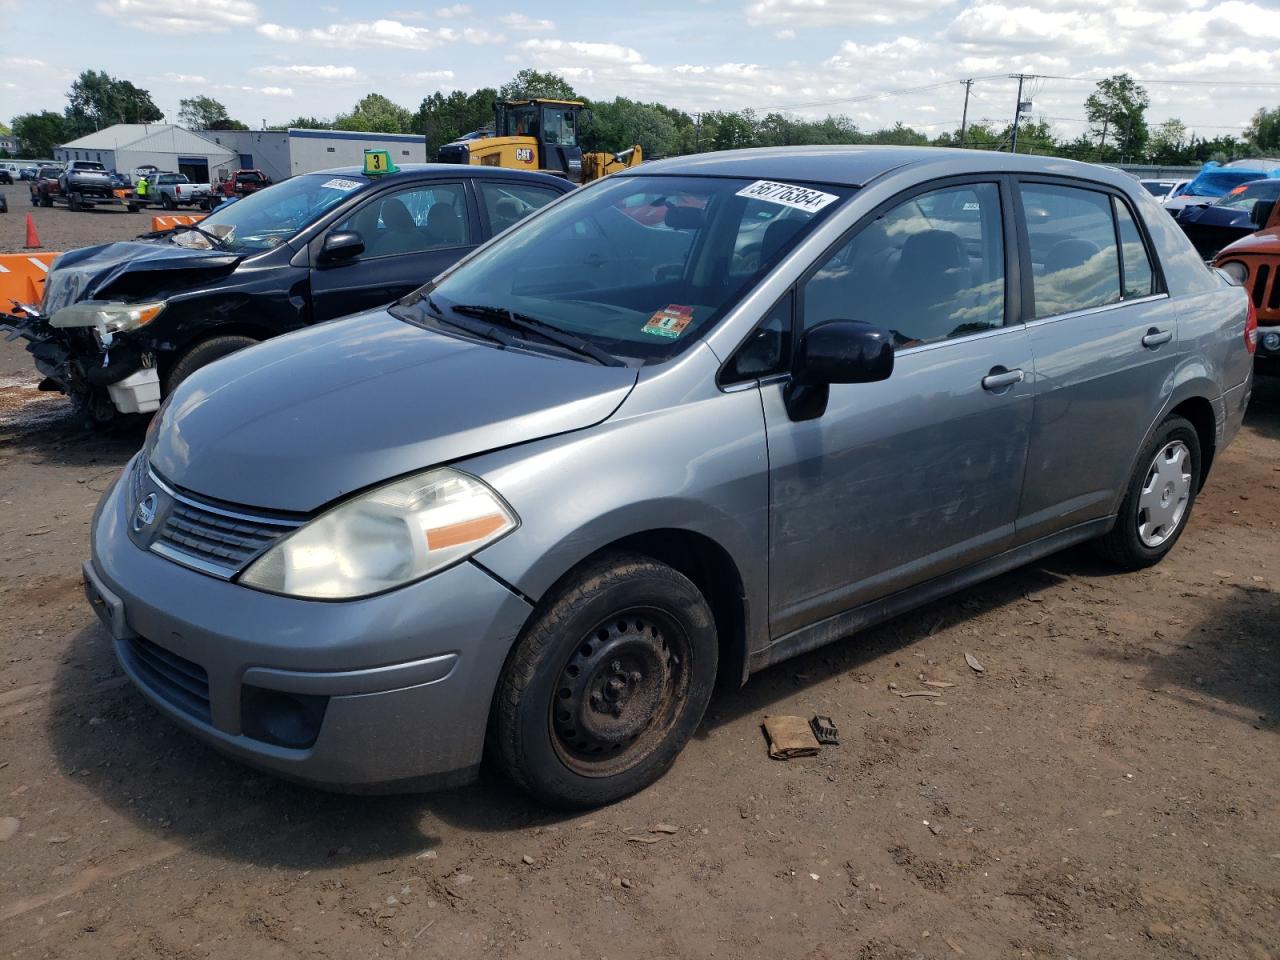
(538,135)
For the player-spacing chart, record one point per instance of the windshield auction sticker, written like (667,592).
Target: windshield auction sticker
(801,198)
(669,322)
(337,183)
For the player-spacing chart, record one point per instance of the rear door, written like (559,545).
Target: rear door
(920,474)
(1104,337)
(411,233)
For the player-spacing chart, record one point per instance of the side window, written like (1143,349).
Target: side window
(412,221)
(768,349)
(763,231)
(929,269)
(509,203)
(1139,277)
(1074,261)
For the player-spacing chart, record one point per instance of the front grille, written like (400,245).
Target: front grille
(213,539)
(178,681)
(1260,287)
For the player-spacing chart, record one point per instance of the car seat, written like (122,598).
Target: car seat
(400,234)
(506,212)
(932,270)
(444,226)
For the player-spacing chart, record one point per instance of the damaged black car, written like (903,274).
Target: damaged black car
(120,325)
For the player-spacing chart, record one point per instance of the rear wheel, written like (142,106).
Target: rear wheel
(203,354)
(1158,502)
(607,684)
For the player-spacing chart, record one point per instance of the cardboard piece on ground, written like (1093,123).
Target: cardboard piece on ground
(790,737)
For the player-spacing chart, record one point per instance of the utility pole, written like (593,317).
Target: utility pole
(964,117)
(1017,112)
(1102,142)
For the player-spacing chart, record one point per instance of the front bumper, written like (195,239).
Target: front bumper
(403,681)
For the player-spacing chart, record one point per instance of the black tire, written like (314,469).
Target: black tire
(46,202)
(166,201)
(626,649)
(203,354)
(73,201)
(1124,545)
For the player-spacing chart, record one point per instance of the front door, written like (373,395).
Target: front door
(920,474)
(1104,338)
(410,235)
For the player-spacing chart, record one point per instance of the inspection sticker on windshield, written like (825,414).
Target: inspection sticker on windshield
(337,183)
(669,322)
(802,198)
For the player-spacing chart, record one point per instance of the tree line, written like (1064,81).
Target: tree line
(1118,129)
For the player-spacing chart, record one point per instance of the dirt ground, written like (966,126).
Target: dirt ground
(1109,787)
(60,229)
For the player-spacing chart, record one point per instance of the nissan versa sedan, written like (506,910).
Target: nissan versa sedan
(677,426)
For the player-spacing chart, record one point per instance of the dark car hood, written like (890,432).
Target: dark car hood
(1212,215)
(303,419)
(91,272)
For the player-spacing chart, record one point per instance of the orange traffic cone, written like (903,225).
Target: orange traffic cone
(33,238)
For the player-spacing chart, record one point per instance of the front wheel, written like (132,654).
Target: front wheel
(202,354)
(607,683)
(1157,504)
(166,201)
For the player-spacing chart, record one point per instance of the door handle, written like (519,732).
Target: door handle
(999,378)
(1155,337)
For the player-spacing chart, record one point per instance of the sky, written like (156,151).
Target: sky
(1211,63)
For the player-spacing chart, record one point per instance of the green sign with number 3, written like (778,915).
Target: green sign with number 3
(378,162)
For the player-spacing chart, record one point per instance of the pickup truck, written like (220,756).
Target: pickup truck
(174,190)
(85,178)
(244,182)
(44,186)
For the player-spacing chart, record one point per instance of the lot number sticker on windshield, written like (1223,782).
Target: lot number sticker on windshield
(801,198)
(337,183)
(669,322)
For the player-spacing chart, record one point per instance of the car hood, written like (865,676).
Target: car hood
(95,273)
(1264,242)
(1213,215)
(303,419)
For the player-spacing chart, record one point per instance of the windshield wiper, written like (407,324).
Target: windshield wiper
(213,238)
(528,324)
(486,331)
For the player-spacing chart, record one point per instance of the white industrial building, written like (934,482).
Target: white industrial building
(126,146)
(286,153)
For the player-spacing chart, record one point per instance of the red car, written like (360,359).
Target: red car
(1254,261)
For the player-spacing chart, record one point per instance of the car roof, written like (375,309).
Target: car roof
(856,166)
(407,170)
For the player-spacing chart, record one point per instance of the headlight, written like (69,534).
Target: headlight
(1236,270)
(106,317)
(391,536)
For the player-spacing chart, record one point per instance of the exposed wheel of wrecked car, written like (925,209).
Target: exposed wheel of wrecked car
(1159,497)
(607,684)
(201,355)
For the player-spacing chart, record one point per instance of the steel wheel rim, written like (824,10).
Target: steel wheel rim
(1165,494)
(619,692)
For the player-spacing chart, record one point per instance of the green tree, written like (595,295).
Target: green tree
(1264,130)
(303,123)
(376,113)
(98,100)
(206,113)
(730,131)
(39,133)
(1168,142)
(1117,110)
(530,84)
(442,118)
(622,123)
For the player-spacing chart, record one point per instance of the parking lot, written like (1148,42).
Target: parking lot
(60,229)
(1108,787)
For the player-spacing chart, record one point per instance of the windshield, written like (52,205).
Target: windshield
(267,218)
(90,165)
(639,266)
(1243,198)
(1214,183)
(1158,188)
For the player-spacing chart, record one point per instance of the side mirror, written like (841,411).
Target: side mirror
(341,246)
(837,351)
(1261,213)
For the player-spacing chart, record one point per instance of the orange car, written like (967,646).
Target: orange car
(1255,262)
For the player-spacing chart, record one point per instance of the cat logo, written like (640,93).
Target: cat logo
(524,154)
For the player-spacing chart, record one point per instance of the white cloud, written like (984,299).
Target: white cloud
(780,14)
(216,15)
(526,24)
(431,75)
(580,51)
(276,91)
(456,10)
(187,79)
(787,34)
(317,73)
(378,33)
